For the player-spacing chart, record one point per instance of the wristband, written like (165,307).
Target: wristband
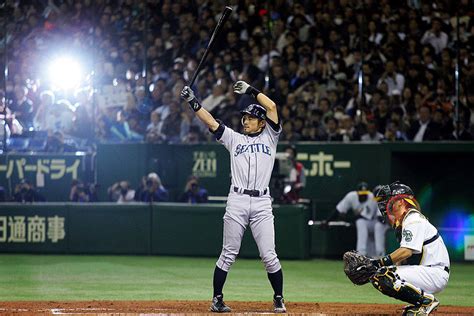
(251,90)
(386,261)
(194,104)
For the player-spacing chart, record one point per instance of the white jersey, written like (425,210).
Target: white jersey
(251,157)
(367,209)
(417,230)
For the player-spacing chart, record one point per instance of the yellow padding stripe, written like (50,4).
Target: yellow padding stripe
(410,201)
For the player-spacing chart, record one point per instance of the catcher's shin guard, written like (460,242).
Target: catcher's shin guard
(387,281)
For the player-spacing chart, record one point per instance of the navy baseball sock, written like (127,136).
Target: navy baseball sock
(276,279)
(219,280)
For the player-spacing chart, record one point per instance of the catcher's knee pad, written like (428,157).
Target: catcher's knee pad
(387,281)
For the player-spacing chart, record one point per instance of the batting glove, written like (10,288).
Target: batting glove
(241,87)
(188,95)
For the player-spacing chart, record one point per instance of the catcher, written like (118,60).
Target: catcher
(416,270)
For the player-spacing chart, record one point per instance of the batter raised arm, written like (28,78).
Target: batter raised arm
(241,87)
(206,117)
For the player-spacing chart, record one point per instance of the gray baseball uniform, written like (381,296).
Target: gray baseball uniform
(366,223)
(249,202)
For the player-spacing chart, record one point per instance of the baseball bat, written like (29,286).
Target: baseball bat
(225,15)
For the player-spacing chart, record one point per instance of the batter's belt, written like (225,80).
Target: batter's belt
(253,193)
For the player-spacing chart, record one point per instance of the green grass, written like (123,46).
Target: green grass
(51,277)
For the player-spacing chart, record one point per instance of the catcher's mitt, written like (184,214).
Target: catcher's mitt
(358,268)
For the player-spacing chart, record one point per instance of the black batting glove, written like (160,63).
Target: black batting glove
(242,87)
(188,95)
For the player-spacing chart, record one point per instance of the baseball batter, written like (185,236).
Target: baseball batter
(252,156)
(422,253)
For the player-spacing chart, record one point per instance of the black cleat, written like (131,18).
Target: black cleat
(279,304)
(218,305)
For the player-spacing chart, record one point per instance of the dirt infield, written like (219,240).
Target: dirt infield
(202,307)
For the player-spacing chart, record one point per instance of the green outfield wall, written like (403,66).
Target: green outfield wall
(51,174)
(160,229)
(440,174)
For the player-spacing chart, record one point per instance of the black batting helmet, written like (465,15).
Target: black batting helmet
(255,110)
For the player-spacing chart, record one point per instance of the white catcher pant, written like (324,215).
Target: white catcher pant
(430,279)
(241,211)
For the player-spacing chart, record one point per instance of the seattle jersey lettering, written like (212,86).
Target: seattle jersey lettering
(252,148)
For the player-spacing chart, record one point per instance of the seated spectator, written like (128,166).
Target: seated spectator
(394,80)
(193,192)
(172,123)
(424,129)
(194,136)
(372,134)
(153,130)
(121,192)
(56,144)
(435,36)
(153,190)
(332,131)
(26,192)
(348,131)
(23,107)
(392,133)
(463,134)
(54,117)
(121,130)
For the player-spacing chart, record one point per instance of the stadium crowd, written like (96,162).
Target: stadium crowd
(308,55)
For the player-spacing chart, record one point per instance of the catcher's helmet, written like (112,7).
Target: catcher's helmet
(255,110)
(387,195)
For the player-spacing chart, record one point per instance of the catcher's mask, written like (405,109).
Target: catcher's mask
(387,195)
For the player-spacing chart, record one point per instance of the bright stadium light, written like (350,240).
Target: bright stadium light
(65,73)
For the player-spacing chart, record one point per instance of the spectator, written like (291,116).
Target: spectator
(435,36)
(394,80)
(25,192)
(392,133)
(153,130)
(83,192)
(153,190)
(120,129)
(121,192)
(193,192)
(332,131)
(22,107)
(372,135)
(424,129)
(312,48)
(348,131)
(57,144)
(296,181)
(172,123)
